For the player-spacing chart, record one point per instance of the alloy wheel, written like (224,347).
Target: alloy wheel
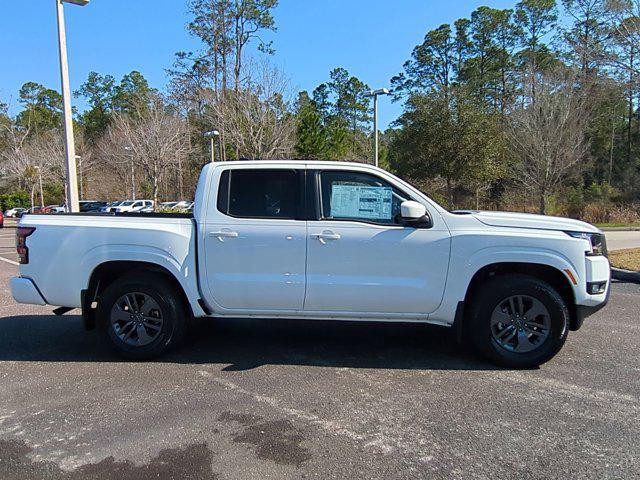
(136,318)
(520,323)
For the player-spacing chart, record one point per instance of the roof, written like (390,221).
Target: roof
(297,162)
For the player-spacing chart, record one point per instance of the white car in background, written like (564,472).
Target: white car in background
(59,209)
(134,206)
(180,206)
(111,207)
(14,212)
(167,205)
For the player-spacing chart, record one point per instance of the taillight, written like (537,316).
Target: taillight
(21,243)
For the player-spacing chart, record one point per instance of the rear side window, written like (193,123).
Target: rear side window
(259,193)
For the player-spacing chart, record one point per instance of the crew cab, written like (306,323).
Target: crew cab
(318,241)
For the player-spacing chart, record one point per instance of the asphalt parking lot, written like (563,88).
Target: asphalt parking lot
(265,399)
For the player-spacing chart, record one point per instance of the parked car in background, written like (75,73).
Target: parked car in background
(110,207)
(14,212)
(59,208)
(167,205)
(50,209)
(92,206)
(1,219)
(321,241)
(133,206)
(31,210)
(177,207)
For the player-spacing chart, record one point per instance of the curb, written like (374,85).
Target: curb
(620,229)
(625,275)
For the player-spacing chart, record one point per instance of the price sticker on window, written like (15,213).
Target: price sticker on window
(351,201)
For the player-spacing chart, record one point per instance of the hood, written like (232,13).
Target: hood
(527,220)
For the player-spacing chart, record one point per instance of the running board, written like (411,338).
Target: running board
(62,310)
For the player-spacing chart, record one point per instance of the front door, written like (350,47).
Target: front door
(255,242)
(361,259)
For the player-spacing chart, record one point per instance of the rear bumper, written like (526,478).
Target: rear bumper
(24,290)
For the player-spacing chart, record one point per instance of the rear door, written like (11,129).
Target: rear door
(363,260)
(255,240)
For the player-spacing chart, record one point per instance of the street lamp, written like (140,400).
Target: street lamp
(79,163)
(374,94)
(39,169)
(213,135)
(70,148)
(129,150)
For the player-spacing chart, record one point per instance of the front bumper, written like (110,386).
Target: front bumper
(584,311)
(24,290)
(598,270)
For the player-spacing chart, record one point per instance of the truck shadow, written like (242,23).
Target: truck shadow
(246,344)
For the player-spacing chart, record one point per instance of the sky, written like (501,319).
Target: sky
(371,39)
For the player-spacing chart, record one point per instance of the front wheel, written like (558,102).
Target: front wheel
(518,321)
(142,315)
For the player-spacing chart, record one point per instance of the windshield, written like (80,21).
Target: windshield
(126,204)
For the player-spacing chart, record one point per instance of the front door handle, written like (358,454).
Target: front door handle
(224,234)
(326,235)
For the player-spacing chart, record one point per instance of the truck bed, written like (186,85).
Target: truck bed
(65,249)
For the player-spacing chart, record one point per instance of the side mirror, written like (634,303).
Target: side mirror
(415,214)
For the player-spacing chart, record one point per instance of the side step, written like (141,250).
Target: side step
(62,310)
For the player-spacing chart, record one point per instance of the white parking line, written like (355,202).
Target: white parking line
(9,261)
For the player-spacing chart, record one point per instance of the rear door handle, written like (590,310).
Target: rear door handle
(327,235)
(224,234)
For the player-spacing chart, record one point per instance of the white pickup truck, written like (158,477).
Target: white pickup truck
(318,240)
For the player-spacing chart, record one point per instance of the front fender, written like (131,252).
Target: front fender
(464,268)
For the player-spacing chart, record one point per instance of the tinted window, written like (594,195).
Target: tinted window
(259,193)
(359,196)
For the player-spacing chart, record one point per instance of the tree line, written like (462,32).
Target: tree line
(532,108)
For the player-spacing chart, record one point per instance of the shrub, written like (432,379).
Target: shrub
(17,199)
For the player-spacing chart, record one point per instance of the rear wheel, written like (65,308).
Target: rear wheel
(518,321)
(142,315)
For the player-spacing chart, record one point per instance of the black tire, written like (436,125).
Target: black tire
(173,311)
(491,293)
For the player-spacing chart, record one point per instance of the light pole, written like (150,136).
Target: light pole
(79,163)
(213,135)
(72,179)
(133,172)
(41,189)
(374,94)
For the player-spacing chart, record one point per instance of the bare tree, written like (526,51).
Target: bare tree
(257,119)
(155,141)
(29,159)
(548,137)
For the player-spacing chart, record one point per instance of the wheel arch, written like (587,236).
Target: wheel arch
(104,274)
(549,274)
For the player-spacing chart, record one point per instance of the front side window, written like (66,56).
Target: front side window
(359,196)
(259,193)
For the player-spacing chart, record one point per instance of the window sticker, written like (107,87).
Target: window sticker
(350,201)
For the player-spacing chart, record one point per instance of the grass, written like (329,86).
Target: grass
(618,225)
(627,259)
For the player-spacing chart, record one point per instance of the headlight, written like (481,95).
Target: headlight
(597,240)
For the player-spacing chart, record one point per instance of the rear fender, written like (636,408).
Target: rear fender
(184,271)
